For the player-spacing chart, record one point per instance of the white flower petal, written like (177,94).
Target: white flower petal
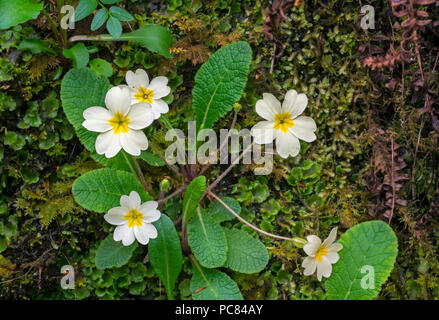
(332,257)
(265,110)
(294,103)
(108,143)
(331,238)
(115,216)
(304,128)
(145,232)
(310,266)
(263,132)
(124,233)
(313,244)
(96,119)
(324,268)
(118,99)
(137,80)
(287,144)
(335,247)
(140,116)
(134,141)
(149,205)
(159,107)
(159,86)
(151,216)
(134,200)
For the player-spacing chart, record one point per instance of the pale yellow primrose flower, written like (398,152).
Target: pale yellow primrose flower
(284,123)
(148,93)
(134,219)
(120,125)
(321,256)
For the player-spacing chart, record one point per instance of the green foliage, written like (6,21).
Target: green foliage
(99,19)
(212,284)
(207,241)
(113,253)
(218,213)
(100,190)
(79,54)
(18,11)
(372,244)
(84,8)
(192,195)
(220,82)
(151,159)
(165,253)
(245,254)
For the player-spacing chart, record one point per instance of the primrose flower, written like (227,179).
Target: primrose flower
(133,219)
(120,125)
(284,123)
(148,93)
(321,256)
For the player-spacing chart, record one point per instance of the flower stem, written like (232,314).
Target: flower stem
(142,176)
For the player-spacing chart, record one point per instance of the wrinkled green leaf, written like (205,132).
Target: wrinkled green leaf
(113,253)
(245,254)
(165,253)
(367,247)
(220,82)
(101,67)
(211,284)
(114,27)
(100,190)
(207,241)
(219,213)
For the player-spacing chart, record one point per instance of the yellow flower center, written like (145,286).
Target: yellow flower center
(119,123)
(320,253)
(282,121)
(144,95)
(134,218)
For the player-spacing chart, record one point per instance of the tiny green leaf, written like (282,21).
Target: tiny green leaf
(151,159)
(99,19)
(114,27)
(207,241)
(84,8)
(100,190)
(35,46)
(110,1)
(121,14)
(245,254)
(113,253)
(79,54)
(192,195)
(366,260)
(101,67)
(211,284)
(165,253)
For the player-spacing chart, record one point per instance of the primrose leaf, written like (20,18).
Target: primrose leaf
(207,241)
(165,253)
(219,213)
(220,82)
(192,195)
(100,190)
(113,253)
(151,159)
(211,284)
(366,260)
(245,254)
(18,11)
(36,46)
(101,67)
